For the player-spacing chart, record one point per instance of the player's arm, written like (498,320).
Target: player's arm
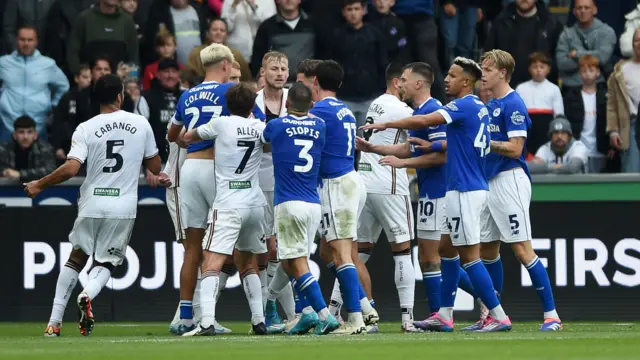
(415,122)
(207,131)
(153,164)
(422,161)
(397,150)
(63,173)
(151,158)
(512,148)
(428,146)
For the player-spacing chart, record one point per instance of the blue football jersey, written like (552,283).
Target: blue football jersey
(338,154)
(200,104)
(296,146)
(509,118)
(431,181)
(468,143)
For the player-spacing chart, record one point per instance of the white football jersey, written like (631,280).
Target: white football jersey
(382,179)
(177,156)
(114,146)
(267,181)
(577,150)
(238,157)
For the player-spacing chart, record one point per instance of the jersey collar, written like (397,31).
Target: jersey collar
(298,117)
(329,97)
(507,94)
(426,101)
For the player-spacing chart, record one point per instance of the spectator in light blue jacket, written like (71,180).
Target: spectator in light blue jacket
(32,84)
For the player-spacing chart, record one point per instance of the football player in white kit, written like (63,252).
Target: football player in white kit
(388,205)
(272,101)
(114,145)
(237,218)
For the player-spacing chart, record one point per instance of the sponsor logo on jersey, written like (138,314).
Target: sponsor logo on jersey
(452,106)
(106,192)
(364,167)
(238,185)
(494,128)
(517,118)
(496,112)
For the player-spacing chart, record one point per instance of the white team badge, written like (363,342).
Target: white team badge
(517,118)
(496,112)
(452,106)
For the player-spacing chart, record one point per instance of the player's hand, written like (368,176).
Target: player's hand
(164,180)
(363,145)
(420,144)
(616,141)
(152,180)
(375,126)
(450,9)
(391,161)
(32,188)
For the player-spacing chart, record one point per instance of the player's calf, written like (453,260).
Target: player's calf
(189,274)
(67,280)
(404,280)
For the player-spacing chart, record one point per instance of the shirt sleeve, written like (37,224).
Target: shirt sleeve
(437,133)
(177,116)
(516,120)
(79,148)
(209,131)
(267,133)
(258,114)
(452,112)
(150,148)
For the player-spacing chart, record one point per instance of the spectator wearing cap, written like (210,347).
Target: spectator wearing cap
(244,17)
(158,104)
(622,108)
(32,84)
(217,34)
(25,157)
(586,110)
(563,154)
(542,98)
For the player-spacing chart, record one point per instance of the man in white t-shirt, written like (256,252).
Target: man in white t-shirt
(114,145)
(236,220)
(563,154)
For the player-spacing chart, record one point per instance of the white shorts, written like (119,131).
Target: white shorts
(105,239)
(464,210)
(506,217)
(343,199)
(197,192)
(392,213)
(269,229)
(432,218)
(173,201)
(241,229)
(296,226)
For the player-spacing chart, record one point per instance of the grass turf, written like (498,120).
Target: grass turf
(152,341)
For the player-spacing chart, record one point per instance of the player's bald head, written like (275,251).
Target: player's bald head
(299,99)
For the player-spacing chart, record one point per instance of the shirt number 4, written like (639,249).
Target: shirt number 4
(481,142)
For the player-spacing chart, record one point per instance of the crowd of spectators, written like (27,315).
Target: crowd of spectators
(579,76)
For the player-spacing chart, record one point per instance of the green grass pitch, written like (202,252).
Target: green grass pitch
(152,341)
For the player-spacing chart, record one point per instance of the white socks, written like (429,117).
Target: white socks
(498,313)
(208,292)
(405,283)
(67,280)
(252,290)
(98,277)
(278,284)
(553,314)
(446,313)
(336,298)
(264,283)
(365,305)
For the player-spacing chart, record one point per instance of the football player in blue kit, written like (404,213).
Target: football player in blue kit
(468,139)
(506,217)
(195,108)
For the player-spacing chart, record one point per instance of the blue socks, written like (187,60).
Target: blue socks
(540,280)
(350,285)
(301,302)
(309,288)
(186,309)
(465,283)
(431,281)
(450,278)
(494,267)
(482,283)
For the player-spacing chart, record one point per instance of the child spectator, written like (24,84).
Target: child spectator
(83,78)
(543,99)
(586,109)
(166,49)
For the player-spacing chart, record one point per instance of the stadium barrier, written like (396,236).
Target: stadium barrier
(585,231)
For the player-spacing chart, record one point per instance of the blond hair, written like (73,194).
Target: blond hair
(273,56)
(501,60)
(214,54)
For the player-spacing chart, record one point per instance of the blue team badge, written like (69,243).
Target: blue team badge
(452,106)
(517,118)
(496,112)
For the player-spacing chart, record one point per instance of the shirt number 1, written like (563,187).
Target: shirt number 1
(351,133)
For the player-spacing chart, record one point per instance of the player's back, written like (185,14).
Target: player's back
(238,157)
(431,180)
(116,144)
(297,145)
(468,141)
(381,179)
(508,118)
(338,154)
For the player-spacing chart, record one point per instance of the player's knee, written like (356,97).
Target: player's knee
(524,251)
(78,259)
(490,251)
(246,272)
(109,266)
